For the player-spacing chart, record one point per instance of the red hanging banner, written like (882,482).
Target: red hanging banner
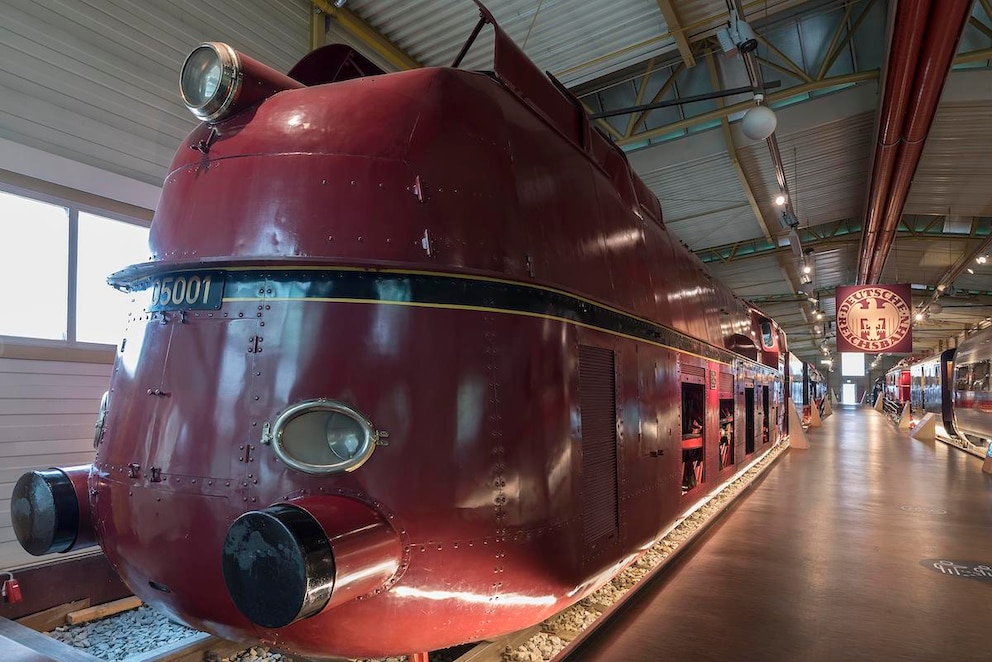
(875,319)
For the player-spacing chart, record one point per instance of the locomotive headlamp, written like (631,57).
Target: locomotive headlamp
(210,80)
(218,81)
(323,437)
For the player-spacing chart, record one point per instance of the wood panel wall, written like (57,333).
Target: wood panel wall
(47,414)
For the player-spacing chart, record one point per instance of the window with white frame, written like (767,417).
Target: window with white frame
(55,257)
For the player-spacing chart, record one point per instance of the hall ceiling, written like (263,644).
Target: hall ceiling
(821,62)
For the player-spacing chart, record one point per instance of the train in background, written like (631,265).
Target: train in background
(415,362)
(807,385)
(953,385)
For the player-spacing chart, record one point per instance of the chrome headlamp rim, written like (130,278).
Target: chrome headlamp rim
(369,441)
(231,75)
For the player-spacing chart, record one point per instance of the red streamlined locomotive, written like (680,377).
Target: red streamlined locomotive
(415,362)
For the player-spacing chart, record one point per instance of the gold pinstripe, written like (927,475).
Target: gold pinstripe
(417,272)
(486,309)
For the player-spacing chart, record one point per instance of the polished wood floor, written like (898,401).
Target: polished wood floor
(868,546)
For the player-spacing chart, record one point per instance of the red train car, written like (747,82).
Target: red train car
(415,362)
(898,385)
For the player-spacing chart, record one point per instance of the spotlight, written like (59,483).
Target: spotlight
(919,317)
(780,199)
(819,315)
(982,259)
(970,270)
(737,35)
(807,269)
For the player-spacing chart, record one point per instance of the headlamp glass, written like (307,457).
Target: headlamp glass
(210,80)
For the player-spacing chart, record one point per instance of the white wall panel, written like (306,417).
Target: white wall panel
(47,413)
(96,81)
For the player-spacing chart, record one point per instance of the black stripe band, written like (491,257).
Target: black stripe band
(442,290)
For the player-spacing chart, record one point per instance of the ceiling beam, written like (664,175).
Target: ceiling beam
(677,32)
(839,232)
(368,35)
(834,81)
(956,270)
(318,28)
(728,137)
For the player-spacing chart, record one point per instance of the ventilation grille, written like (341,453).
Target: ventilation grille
(726,384)
(597,401)
(693,371)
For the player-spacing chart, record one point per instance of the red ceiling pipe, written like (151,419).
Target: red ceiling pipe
(904,50)
(944,29)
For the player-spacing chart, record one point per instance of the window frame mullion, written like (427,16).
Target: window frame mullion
(73,273)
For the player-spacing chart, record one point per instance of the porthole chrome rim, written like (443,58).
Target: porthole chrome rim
(218,105)
(367,446)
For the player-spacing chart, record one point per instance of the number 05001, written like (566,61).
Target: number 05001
(188,290)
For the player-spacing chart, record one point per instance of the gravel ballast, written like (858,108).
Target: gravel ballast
(143,629)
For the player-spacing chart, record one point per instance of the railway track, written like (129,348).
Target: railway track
(19,642)
(560,638)
(564,636)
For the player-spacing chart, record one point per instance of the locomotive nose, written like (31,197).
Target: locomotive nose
(294,560)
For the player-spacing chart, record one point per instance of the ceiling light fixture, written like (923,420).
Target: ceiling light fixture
(780,199)
(759,123)
(982,259)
